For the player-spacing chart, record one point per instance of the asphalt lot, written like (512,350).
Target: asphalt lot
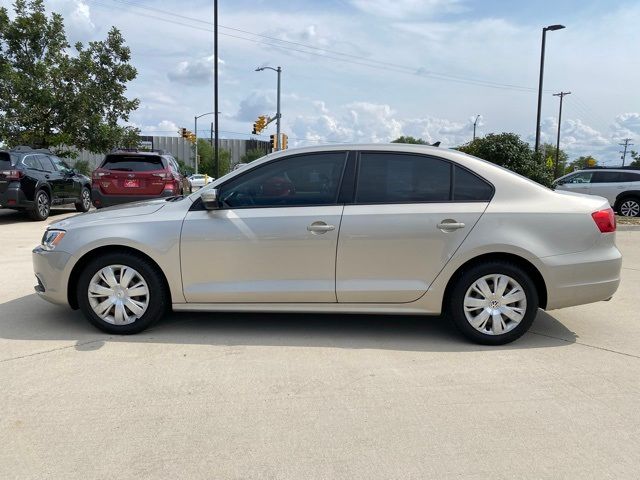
(239,396)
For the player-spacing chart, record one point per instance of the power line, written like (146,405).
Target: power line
(348,58)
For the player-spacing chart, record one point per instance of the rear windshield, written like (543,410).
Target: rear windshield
(133,163)
(5,161)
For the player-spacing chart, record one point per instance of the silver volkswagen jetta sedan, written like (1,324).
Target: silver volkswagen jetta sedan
(392,229)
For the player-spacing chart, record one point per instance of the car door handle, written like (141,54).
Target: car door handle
(449,225)
(320,227)
(47,176)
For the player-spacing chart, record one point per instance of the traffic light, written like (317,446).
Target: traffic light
(191,137)
(259,124)
(274,142)
(284,141)
(183,132)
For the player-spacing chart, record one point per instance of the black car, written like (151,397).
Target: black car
(34,180)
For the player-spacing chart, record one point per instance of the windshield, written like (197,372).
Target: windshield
(133,163)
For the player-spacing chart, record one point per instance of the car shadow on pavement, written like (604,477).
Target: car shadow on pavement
(30,318)
(8,217)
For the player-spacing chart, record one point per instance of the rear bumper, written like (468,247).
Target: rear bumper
(52,273)
(580,278)
(14,197)
(100,200)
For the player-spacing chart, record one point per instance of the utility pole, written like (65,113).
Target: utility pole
(215,88)
(626,144)
(278,70)
(474,126)
(556,168)
(195,130)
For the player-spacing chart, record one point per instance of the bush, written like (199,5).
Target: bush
(83,167)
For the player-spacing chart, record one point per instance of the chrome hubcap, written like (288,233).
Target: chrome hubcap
(630,208)
(118,294)
(43,204)
(495,304)
(86,199)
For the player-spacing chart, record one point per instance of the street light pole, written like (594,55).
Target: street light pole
(195,131)
(474,126)
(215,88)
(540,81)
(278,70)
(556,168)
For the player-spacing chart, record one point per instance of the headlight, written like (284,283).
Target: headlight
(51,238)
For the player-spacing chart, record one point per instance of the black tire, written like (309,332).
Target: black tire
(84,204)
(158,298)
(41,206)
(468,278)
(629,206)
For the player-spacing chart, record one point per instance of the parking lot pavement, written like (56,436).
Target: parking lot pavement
(313,396)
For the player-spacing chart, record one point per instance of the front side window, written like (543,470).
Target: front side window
(303,180)
(582,177)
(402,178)
(47,164)
(60,165)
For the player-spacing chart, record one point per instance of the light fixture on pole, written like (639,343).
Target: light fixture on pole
(278,70)
(475,122)
(550,28)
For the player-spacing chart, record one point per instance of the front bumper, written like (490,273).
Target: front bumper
(52,273)
(583,277)
(101,200)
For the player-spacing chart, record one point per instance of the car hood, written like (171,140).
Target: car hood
(119,211)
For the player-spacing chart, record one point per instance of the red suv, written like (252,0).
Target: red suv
(129,176)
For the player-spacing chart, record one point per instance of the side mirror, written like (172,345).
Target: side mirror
(210,199)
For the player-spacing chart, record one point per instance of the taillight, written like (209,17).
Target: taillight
(97,175)
(163,176)
(605,220)
(12,174)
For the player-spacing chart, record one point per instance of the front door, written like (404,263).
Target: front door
(578,183)
(273,239)
(405,225)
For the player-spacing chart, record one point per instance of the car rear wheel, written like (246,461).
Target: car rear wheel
(84,204)
(41,207)
(630,207)
(122,293)
(493,303)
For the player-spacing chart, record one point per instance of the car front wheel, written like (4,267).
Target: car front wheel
(493,303)
(122,293)
(84,204)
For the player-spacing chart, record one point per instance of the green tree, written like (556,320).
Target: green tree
(509,151)
(549,155)
(636,159)
(580,163)
(51,95)
(251,155)
(207,162)
(408,139)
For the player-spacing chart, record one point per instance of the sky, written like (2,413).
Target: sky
(372,70)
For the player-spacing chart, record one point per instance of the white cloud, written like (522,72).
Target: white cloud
(165,128)
(627,125)
(194,72)
(256,104)
(77,18)
(406,8)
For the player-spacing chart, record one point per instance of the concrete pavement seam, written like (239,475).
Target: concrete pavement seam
(587,345)
(47,351)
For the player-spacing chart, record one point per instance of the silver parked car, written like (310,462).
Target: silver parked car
(621,186)
(392,229)
(198,180)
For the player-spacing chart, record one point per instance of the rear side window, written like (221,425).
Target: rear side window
(133,163)
(631,176)
(469,187)
(607,177)
(402,178)
(46,163)
(5,161)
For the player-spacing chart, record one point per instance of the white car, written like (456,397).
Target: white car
(198,181)
(621,186)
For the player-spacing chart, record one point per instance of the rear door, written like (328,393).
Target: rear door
(411,213)
(133,175)
(608,185)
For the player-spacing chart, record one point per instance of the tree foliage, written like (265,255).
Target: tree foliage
(52,96)
(409,139)
(207,162)
(635,159)
(251,155)
(509,151)
(581,162)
